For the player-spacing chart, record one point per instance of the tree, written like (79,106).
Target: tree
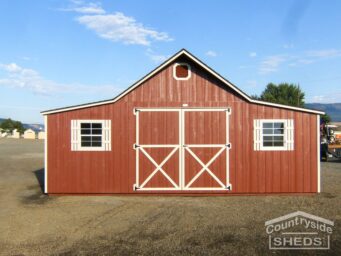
(283,93)
(325,118)
(10,125)
(254,97)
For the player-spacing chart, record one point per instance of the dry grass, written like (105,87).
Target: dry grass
(34,224)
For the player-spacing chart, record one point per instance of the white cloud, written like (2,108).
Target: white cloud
(252,54)
(116,27)
(91,8)
(271,63)
(120,28)
(157,58)
(29,79)
(288,46)
(328,53)
(85,8)
(211,53)
(25,58)
(325,98)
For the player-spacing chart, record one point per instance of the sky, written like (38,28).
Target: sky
(56,53)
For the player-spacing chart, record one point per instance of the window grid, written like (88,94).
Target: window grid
(273,134)
(91,134)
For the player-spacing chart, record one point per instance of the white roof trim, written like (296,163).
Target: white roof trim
(194,59)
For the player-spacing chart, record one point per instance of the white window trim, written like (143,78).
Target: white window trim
(106,138)
(182,64)
(285,144)
(82,148)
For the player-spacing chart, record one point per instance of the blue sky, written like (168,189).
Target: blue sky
(59,53)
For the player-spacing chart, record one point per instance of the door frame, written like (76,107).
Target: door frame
(182,147)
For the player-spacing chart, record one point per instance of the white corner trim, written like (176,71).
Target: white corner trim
(182,64)
(45,155)
(318,155)
(170,60)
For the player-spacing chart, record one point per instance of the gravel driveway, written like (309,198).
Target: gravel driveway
(34,224)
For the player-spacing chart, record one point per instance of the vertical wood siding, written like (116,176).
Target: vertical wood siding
(114,171)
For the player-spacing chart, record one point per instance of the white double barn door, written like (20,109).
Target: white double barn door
(182,149)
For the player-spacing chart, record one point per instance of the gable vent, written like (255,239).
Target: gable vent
(181,71)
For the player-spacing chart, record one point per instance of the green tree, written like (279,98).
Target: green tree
(254,97)
(325,118)
(10,125)
(283,93)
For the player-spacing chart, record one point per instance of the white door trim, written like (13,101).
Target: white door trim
(182,148)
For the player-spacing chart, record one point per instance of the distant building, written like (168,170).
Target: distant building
(15,134)
(3,133)
(41,135)
(29,134)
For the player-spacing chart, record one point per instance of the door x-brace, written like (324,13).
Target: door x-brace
(181,149)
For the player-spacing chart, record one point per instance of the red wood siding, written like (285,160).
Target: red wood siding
(114,171)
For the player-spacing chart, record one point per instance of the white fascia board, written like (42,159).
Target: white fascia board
(287,107)
(197,61)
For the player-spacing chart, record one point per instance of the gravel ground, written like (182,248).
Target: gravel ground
(34,224)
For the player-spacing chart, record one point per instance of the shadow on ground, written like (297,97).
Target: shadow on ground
(34,194)
(40,178)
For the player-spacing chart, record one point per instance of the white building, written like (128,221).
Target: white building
(15,134)
(29,134)
(41,135)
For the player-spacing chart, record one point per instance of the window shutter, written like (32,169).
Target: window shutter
(74,135)
(107,135)
(290,134)
(256,134)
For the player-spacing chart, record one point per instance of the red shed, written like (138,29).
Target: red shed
(183,129)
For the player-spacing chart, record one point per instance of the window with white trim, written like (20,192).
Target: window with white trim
(90,135)
(181,71)
(273,134)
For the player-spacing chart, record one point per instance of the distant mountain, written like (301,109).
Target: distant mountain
(332,109)
(34,127)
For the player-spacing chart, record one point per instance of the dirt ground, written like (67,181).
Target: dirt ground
(34,224)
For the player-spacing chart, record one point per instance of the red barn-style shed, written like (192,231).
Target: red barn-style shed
(182,129)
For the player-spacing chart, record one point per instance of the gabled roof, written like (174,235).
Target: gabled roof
(182,52)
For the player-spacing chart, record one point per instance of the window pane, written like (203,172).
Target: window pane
(97,131)
(268,138)
(97,144)
(279,125)
(279,143)
(86,138)
(85,125)
(278,138)
(96,126)
(96,138)
(278,131)
(267,144)
(85,131)
(267,125)
(86,143)
(267,131)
